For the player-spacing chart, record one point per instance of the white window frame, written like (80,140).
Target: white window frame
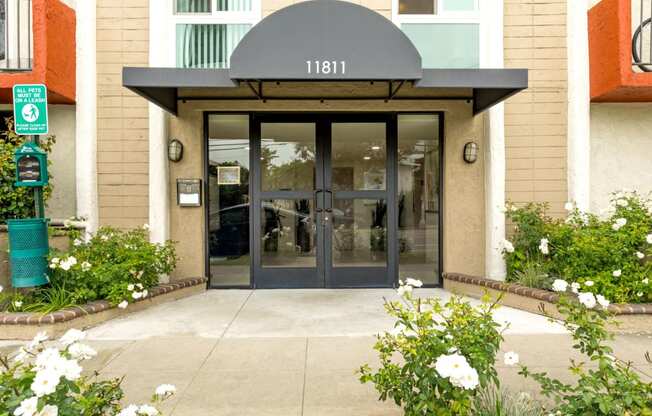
(251,17)
(479,16)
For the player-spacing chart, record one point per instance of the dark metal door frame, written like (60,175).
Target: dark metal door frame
(392,186)
(324,274)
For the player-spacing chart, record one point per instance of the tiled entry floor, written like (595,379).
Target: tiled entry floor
(286,352)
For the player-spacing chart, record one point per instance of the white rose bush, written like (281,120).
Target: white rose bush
(120,266)
(45,379)
(438,355)
(609,255)
(604,385)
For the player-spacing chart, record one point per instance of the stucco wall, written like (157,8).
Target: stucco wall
(61,204)
(621,149)
(463,196)
(535,119)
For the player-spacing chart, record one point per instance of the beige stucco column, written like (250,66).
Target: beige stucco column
(159,189)
(86,115)
(495,146)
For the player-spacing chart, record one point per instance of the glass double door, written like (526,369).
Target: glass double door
(323,199)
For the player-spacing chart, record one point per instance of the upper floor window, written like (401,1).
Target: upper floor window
(16,44)
(446,32)
(207,31)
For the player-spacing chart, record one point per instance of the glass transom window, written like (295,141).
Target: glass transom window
(445,32)
(207,31)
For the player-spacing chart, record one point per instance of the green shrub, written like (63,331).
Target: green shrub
(609,255)
(610,387)
(492,401)
(532,275)
(16,202)
(46,380)
(113,264)
(437,355)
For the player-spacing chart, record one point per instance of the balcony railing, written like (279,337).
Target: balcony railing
(16,40)
(642,35)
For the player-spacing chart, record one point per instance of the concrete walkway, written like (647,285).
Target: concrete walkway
(288,352)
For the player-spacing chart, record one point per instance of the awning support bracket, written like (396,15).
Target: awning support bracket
(393,91)
(257,92)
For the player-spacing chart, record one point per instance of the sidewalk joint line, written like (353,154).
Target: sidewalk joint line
(305,377)
(251,292)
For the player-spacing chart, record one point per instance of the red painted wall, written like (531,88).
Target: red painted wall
(53,27)
(610,37)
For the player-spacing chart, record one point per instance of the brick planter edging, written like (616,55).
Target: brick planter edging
(21,318)
(543,295)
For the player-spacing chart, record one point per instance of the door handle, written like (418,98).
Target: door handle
(317,209)
(330,206)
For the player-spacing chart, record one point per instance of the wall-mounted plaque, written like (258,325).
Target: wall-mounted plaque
(189,192)
(228,175)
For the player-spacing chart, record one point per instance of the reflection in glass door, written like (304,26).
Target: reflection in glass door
(358,173)
(287,237)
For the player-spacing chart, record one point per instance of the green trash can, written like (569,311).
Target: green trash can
(28,251)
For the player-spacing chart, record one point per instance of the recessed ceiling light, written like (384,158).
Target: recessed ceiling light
(375,147)
(367,158)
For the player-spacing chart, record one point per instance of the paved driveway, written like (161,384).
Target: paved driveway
(286,352)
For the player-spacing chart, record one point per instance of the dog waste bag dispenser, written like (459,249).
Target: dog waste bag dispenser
(28,238)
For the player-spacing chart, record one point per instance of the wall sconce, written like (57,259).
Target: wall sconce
(175,150)
(471,152)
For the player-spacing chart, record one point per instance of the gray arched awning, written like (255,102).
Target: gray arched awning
(279,57)
(347,40)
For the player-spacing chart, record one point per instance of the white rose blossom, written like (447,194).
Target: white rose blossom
(559,285)
(587,299)
(569,206)
(640,255)
(508,246)
(413,282)
(130,287)
(602,301)
(589,283)
(136,295)
(81,351)
(457,370)
(622,202)
(543,246)
(648,238)
(45,382)
(49,410)
(403,289)
(619,223)
(123,304)
(27,407)
(617,273)
(86,266)
(147,410)
(575,287)
(645,281)
(165,390)
(511,358)
(73,335)
(18,304)
(131,410)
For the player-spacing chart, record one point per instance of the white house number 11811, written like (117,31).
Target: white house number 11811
(326,67)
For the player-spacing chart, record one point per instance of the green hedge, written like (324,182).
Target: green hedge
(609,254)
